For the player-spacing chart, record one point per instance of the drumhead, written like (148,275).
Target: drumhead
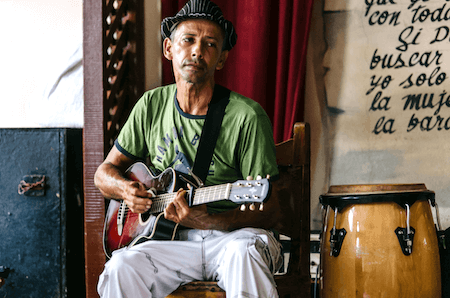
(342,195)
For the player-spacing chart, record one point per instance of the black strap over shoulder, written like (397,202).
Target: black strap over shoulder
(210,132)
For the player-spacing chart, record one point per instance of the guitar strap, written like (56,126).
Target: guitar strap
(210,132)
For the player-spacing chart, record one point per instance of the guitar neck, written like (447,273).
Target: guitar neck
(200,196)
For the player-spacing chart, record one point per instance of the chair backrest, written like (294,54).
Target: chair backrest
(293,159)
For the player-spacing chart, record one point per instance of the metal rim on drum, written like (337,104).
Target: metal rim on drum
(339,196)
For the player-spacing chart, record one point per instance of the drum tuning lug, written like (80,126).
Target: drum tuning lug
(441,238)
(336,239)
(405,239)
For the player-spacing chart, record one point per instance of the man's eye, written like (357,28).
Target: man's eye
(211,44)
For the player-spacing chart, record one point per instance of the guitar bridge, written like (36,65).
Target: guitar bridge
(121,214)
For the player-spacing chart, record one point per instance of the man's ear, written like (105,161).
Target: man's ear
(167,48)
(222,59)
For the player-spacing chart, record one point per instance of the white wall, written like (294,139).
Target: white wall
(41,75)
(40,39)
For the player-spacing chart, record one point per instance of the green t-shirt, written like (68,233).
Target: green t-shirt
(159,130)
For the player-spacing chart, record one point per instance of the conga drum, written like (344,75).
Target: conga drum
(379,241)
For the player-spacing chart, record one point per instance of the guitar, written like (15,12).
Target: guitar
(125,228)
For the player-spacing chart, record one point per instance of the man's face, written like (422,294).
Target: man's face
(196,51)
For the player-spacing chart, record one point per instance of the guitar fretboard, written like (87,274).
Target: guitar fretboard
(200,196)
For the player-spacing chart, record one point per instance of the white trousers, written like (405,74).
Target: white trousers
(242,261)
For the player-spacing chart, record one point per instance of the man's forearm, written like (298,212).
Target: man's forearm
(113,185)
(109,180)
(198,218)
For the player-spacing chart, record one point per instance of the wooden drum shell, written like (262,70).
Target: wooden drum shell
(371,262)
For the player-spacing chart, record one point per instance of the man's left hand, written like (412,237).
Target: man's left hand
(179,212)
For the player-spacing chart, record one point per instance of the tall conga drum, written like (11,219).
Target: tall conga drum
(379,241)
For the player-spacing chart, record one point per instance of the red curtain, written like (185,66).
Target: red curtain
(268,62)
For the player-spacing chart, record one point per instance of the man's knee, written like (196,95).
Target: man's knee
(241,247)
(124,260)
(250,248)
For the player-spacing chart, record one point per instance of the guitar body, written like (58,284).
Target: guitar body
(137,228)
(125,228)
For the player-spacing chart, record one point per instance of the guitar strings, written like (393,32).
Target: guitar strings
(201,196)
(207,194)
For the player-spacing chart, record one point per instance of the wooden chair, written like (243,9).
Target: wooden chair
(293,158)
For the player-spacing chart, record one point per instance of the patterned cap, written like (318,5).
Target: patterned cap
(201,9)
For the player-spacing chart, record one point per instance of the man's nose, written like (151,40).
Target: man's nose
(197,50)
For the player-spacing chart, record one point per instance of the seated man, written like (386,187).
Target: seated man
(219,242)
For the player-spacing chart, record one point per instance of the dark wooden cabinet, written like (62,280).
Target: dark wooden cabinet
(41,213)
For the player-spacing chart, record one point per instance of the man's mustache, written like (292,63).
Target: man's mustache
(194,61)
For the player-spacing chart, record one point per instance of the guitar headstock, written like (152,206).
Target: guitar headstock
(249,191)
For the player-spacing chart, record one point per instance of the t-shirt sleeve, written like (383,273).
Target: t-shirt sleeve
(257,148)
(131,140)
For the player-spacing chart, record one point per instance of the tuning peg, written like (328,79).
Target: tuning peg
(261,207)
(258,177)
(252,207)
(268,176)
(243,207)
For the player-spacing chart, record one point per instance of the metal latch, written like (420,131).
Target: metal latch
(32,186)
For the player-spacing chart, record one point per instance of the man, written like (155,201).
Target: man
(220,242)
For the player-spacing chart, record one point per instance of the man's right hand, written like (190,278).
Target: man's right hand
(136,196)
(109,179)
